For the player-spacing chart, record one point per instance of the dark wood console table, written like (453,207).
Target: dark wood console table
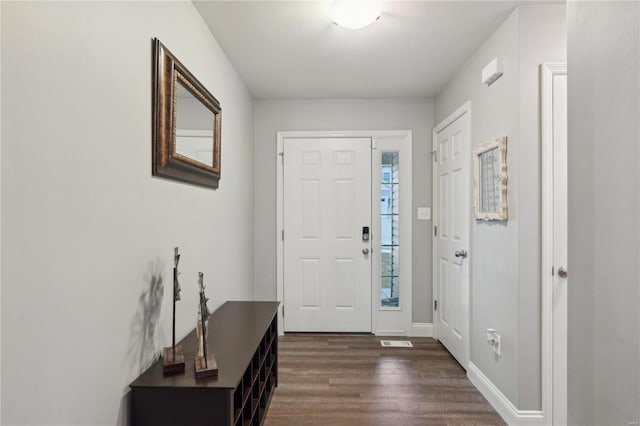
(244,338)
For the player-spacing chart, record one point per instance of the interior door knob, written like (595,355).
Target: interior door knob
(365,251)
(461,253)
(562,272)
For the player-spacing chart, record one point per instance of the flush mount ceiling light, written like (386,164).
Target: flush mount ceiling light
(355,14)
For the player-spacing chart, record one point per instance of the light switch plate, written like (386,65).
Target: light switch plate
(424,213)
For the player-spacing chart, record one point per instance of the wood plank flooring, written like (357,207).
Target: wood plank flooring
(350,380)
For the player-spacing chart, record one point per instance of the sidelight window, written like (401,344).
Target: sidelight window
(390,230)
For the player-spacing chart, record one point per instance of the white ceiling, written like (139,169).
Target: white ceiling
(290,49)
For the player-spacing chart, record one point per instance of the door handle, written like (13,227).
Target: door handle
(562,272)
(365,251)
(461,253)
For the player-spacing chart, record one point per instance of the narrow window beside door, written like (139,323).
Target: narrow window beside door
(390,230)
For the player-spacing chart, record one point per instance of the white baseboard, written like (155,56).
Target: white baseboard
(418,329)
(421,329)
(500,402)
(394,333)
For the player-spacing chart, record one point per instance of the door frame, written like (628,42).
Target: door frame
(459,112)
(547,73)
(391,321)
(374,135)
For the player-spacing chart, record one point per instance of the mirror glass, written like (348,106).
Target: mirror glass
(187,121)
(194,127)
(490,180)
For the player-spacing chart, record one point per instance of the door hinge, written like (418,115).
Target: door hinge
(435,231)
(434,154)
(553,270)
(435,305)
(283,235)
(283,311)
(281,154)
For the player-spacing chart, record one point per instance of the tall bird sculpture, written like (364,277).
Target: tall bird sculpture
(173,356)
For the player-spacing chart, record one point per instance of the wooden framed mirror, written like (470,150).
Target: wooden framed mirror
(187,122)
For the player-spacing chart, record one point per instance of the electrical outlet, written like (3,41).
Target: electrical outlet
(491,333)
(494,340)
(497,347)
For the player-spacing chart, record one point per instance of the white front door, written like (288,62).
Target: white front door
(327,263)
(452,144)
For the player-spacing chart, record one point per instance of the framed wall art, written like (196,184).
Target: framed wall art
(490,180)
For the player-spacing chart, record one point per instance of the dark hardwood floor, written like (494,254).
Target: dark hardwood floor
(351,380)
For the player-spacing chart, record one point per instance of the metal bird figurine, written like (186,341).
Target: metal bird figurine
(174,355)
(205,363)
(203,298)
(176,283)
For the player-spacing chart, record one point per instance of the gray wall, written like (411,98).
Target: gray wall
(542,38)
(87,225)
(604,193)
(342,114)
(505,269)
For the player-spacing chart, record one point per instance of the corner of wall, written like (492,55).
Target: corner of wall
(421,329)
(1,419)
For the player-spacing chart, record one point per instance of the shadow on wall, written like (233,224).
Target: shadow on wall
(143,340)
(124,415)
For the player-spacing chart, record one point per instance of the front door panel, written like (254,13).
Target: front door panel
(327,202)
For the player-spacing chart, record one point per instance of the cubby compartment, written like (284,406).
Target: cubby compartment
(258,380)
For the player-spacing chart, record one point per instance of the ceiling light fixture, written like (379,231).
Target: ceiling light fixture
(355,14)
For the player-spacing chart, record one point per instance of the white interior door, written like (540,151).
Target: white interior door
(554,242)
(560,278)
(452,240)
(327,263)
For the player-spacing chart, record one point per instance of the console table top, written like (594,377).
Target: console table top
(235,331)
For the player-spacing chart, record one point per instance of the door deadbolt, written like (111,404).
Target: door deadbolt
(365,251)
